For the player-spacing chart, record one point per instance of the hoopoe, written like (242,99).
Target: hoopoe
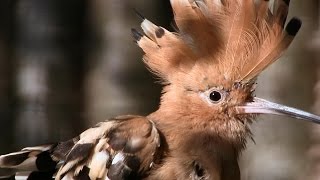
(209,69)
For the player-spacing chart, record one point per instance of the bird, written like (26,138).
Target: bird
(208,68)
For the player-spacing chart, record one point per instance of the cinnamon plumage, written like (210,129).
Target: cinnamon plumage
(208,69)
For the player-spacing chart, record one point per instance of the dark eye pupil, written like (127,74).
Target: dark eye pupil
(215,96)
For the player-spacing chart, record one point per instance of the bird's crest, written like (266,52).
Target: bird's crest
(228,40)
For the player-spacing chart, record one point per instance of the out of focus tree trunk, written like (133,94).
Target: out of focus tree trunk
(314,150)
(50,69)
(7,99)
(118,83)
(281,143)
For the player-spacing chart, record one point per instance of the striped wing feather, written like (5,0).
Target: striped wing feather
(121,148)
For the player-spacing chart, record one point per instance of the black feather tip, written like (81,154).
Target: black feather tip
(44,162)
(160,32)
(139,14)
(287,2)
(136,34)
(293,26)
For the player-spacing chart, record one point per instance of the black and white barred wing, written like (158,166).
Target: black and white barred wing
(33,162)
(121,148)
(125,145)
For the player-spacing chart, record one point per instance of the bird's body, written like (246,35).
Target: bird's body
(208,68)
(134,147)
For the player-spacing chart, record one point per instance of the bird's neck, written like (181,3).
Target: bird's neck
(230,132)
(207,142)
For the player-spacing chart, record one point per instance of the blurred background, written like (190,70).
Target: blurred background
(66,65)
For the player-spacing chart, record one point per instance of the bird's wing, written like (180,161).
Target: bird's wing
(121,148)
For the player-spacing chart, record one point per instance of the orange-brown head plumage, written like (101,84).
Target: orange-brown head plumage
(226,40)
(209,66)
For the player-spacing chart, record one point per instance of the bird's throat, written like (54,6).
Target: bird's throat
(232,132)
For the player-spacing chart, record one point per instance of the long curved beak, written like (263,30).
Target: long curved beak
(261,106)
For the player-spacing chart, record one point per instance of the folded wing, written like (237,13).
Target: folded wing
(124,147)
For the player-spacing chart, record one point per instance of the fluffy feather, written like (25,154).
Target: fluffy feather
(232,40)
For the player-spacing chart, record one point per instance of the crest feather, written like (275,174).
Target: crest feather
(229,39)
(165,52)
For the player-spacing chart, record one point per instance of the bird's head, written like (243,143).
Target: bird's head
(210,65)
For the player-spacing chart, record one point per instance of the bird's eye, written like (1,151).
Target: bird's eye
(215,96)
